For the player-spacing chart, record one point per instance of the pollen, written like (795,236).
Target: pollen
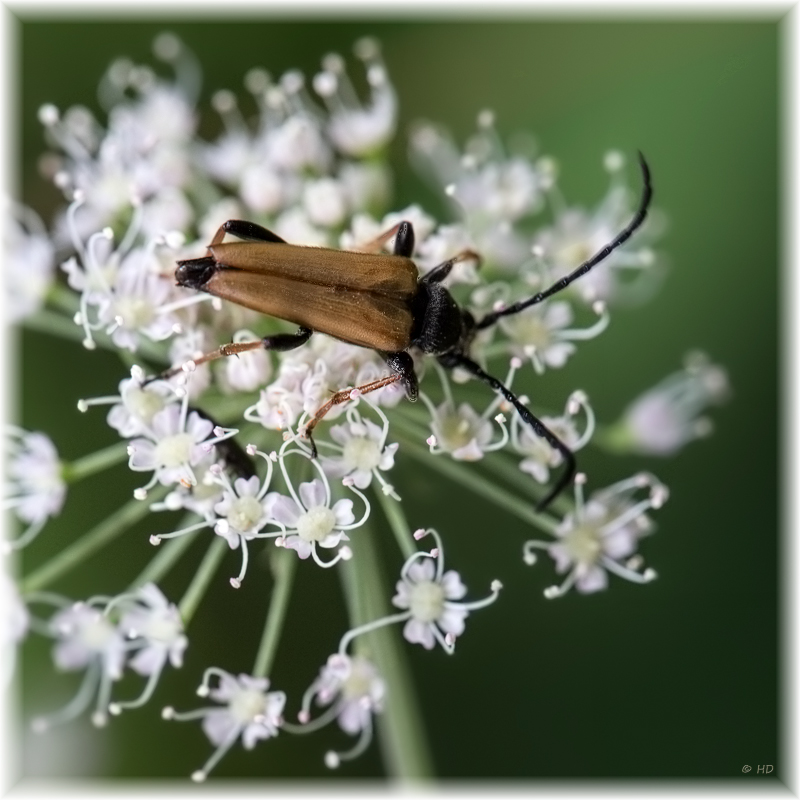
(245,513)
(172,451)
(583,544)
(361,453)
(426,601)
(143,404)
(246,705)
(316,524)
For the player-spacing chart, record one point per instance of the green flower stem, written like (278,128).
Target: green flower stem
(168,554)
(400,726)
(98,537)
(479,484)
(47,321)
(398,523)
(502,466)
(284,564)
(74,471)
(197,588)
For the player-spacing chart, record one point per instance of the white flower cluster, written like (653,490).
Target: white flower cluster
(143,192)
(102,636)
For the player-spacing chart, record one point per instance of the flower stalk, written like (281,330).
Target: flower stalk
(98,537)
(283,565)
(401,730)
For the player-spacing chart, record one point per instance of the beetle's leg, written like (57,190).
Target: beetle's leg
(457,360)
(620,238)
(438,274)
(246,230)
(278,341)
(403,244)
(342,397)
(402,364)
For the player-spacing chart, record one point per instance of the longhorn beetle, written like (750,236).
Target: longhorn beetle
(368,299)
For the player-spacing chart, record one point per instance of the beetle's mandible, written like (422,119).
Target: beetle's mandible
(369,299)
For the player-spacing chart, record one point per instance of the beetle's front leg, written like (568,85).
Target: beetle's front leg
(279,341)
(402,364)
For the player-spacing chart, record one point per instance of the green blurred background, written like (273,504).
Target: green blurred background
(678,679)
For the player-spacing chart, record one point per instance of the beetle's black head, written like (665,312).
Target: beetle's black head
(194,273)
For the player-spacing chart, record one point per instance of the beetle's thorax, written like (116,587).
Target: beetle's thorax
(439,324)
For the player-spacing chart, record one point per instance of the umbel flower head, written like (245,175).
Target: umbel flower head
(226,441)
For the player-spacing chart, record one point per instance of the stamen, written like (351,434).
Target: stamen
(333,759)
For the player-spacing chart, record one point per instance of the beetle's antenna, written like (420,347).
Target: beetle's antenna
(457,360)
(621,237)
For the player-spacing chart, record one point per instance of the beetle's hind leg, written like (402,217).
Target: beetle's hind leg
(279,341)
(249,231)
(403,243)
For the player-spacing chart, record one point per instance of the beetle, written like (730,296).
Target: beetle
(372,300)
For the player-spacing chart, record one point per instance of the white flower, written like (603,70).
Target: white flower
(295,226)
(238,513)
(143,153)
(489,189)
(446,242)
(249,711)
(540,457)
(310,519)
(364,229)
(154,629)
(130,296)
(364,453)
(358,130)
(132,410)
(431,597)
(15,619)
(29,262)
(353,690)
(249,370)
(325,202)
(540,333)
(87,640)
(577,235)
(176,442)
(158,624)
(600,533)
(663,419)
(462,432)
(35,487)
(86,634)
